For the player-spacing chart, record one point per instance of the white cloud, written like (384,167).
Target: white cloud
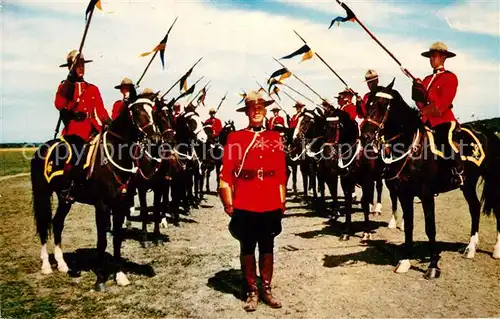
(481,17)
(237,46)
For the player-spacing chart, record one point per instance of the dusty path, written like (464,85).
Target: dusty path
(196,273)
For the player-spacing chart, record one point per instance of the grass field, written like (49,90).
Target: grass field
(15,160)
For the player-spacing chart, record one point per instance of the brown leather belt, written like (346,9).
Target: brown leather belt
(249,174)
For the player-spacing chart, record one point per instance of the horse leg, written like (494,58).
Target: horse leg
(394,203)
(430,229)
(406,199)
(58,224)
(102,221)
(118,216)
(217,172)
(368,189)
(469,191)
(378,205)
(42,208)
(165,190)
(333,181)
(294,178)
(157,214)
(347,188)
(305,175)
(144,216)
(207,180)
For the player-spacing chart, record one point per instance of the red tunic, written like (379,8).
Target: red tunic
(90,103)
(176,115)
(351,109)
(267,154)
(273,121)
(441,89)
(216,125)
(294,120)
(117,109)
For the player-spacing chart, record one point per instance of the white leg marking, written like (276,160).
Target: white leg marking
(392,223)
(378,208)
(403,266)
(496,251)
(61,264)
(164,223)
(44,255)
(121,279)
(470,250)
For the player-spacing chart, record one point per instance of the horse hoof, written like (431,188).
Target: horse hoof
(432,273)
(46,270)
(100,286)
(145,244)
(121,279)
(403,266)
(345,237)
(63,268)
(392,223)
(128,224)
(378,209)
(164,223)
(402,226)
(158,242)
(366,238)
(470,252)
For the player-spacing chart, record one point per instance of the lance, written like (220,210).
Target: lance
(154,55)
(197,94)
(304,83)
(268,94)
(192,86)
(324,62)
(177,82)
(220,103)
(73,64)
(405,71)
(294,90)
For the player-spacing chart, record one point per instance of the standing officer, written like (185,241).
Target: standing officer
(79,103)
(129,93)
(434,97)
(214,122)
(253,191)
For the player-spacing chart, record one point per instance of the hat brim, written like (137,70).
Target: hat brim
(427,54)
(265,103)
(119,86)
(371,79)
(67,64)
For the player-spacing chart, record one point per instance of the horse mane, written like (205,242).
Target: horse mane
(407,117)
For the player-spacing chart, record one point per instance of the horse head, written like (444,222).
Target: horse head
(228,128)
(165,121)
(190,128)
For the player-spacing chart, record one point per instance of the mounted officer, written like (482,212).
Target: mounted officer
(129,93)
(299,107)
(253,191)
(214,122)
(434,97)
(344,100)
(80,105)
(362,104)
(276,121)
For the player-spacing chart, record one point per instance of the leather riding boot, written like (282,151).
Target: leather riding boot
(266,265)
(249,269)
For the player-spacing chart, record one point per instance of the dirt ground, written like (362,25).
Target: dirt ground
(196,273)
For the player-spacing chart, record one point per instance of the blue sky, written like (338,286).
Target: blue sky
(238,40)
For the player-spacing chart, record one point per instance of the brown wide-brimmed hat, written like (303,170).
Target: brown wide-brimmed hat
(275,109)
(211,111)
(125,82)
(254,98)
(371,75)
(71,57)
(345,93)
(298,104)
(438,47)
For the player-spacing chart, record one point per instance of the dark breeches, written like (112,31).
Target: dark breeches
(252,228)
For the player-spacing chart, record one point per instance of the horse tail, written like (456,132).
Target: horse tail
(490,198)
(42,193)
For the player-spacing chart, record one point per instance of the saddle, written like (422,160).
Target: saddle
(62,152)
(471,150)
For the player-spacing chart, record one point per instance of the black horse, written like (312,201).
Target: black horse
(408,152)
(303,150)
(212,158)
(190,133)
(161,163)
(106,167)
